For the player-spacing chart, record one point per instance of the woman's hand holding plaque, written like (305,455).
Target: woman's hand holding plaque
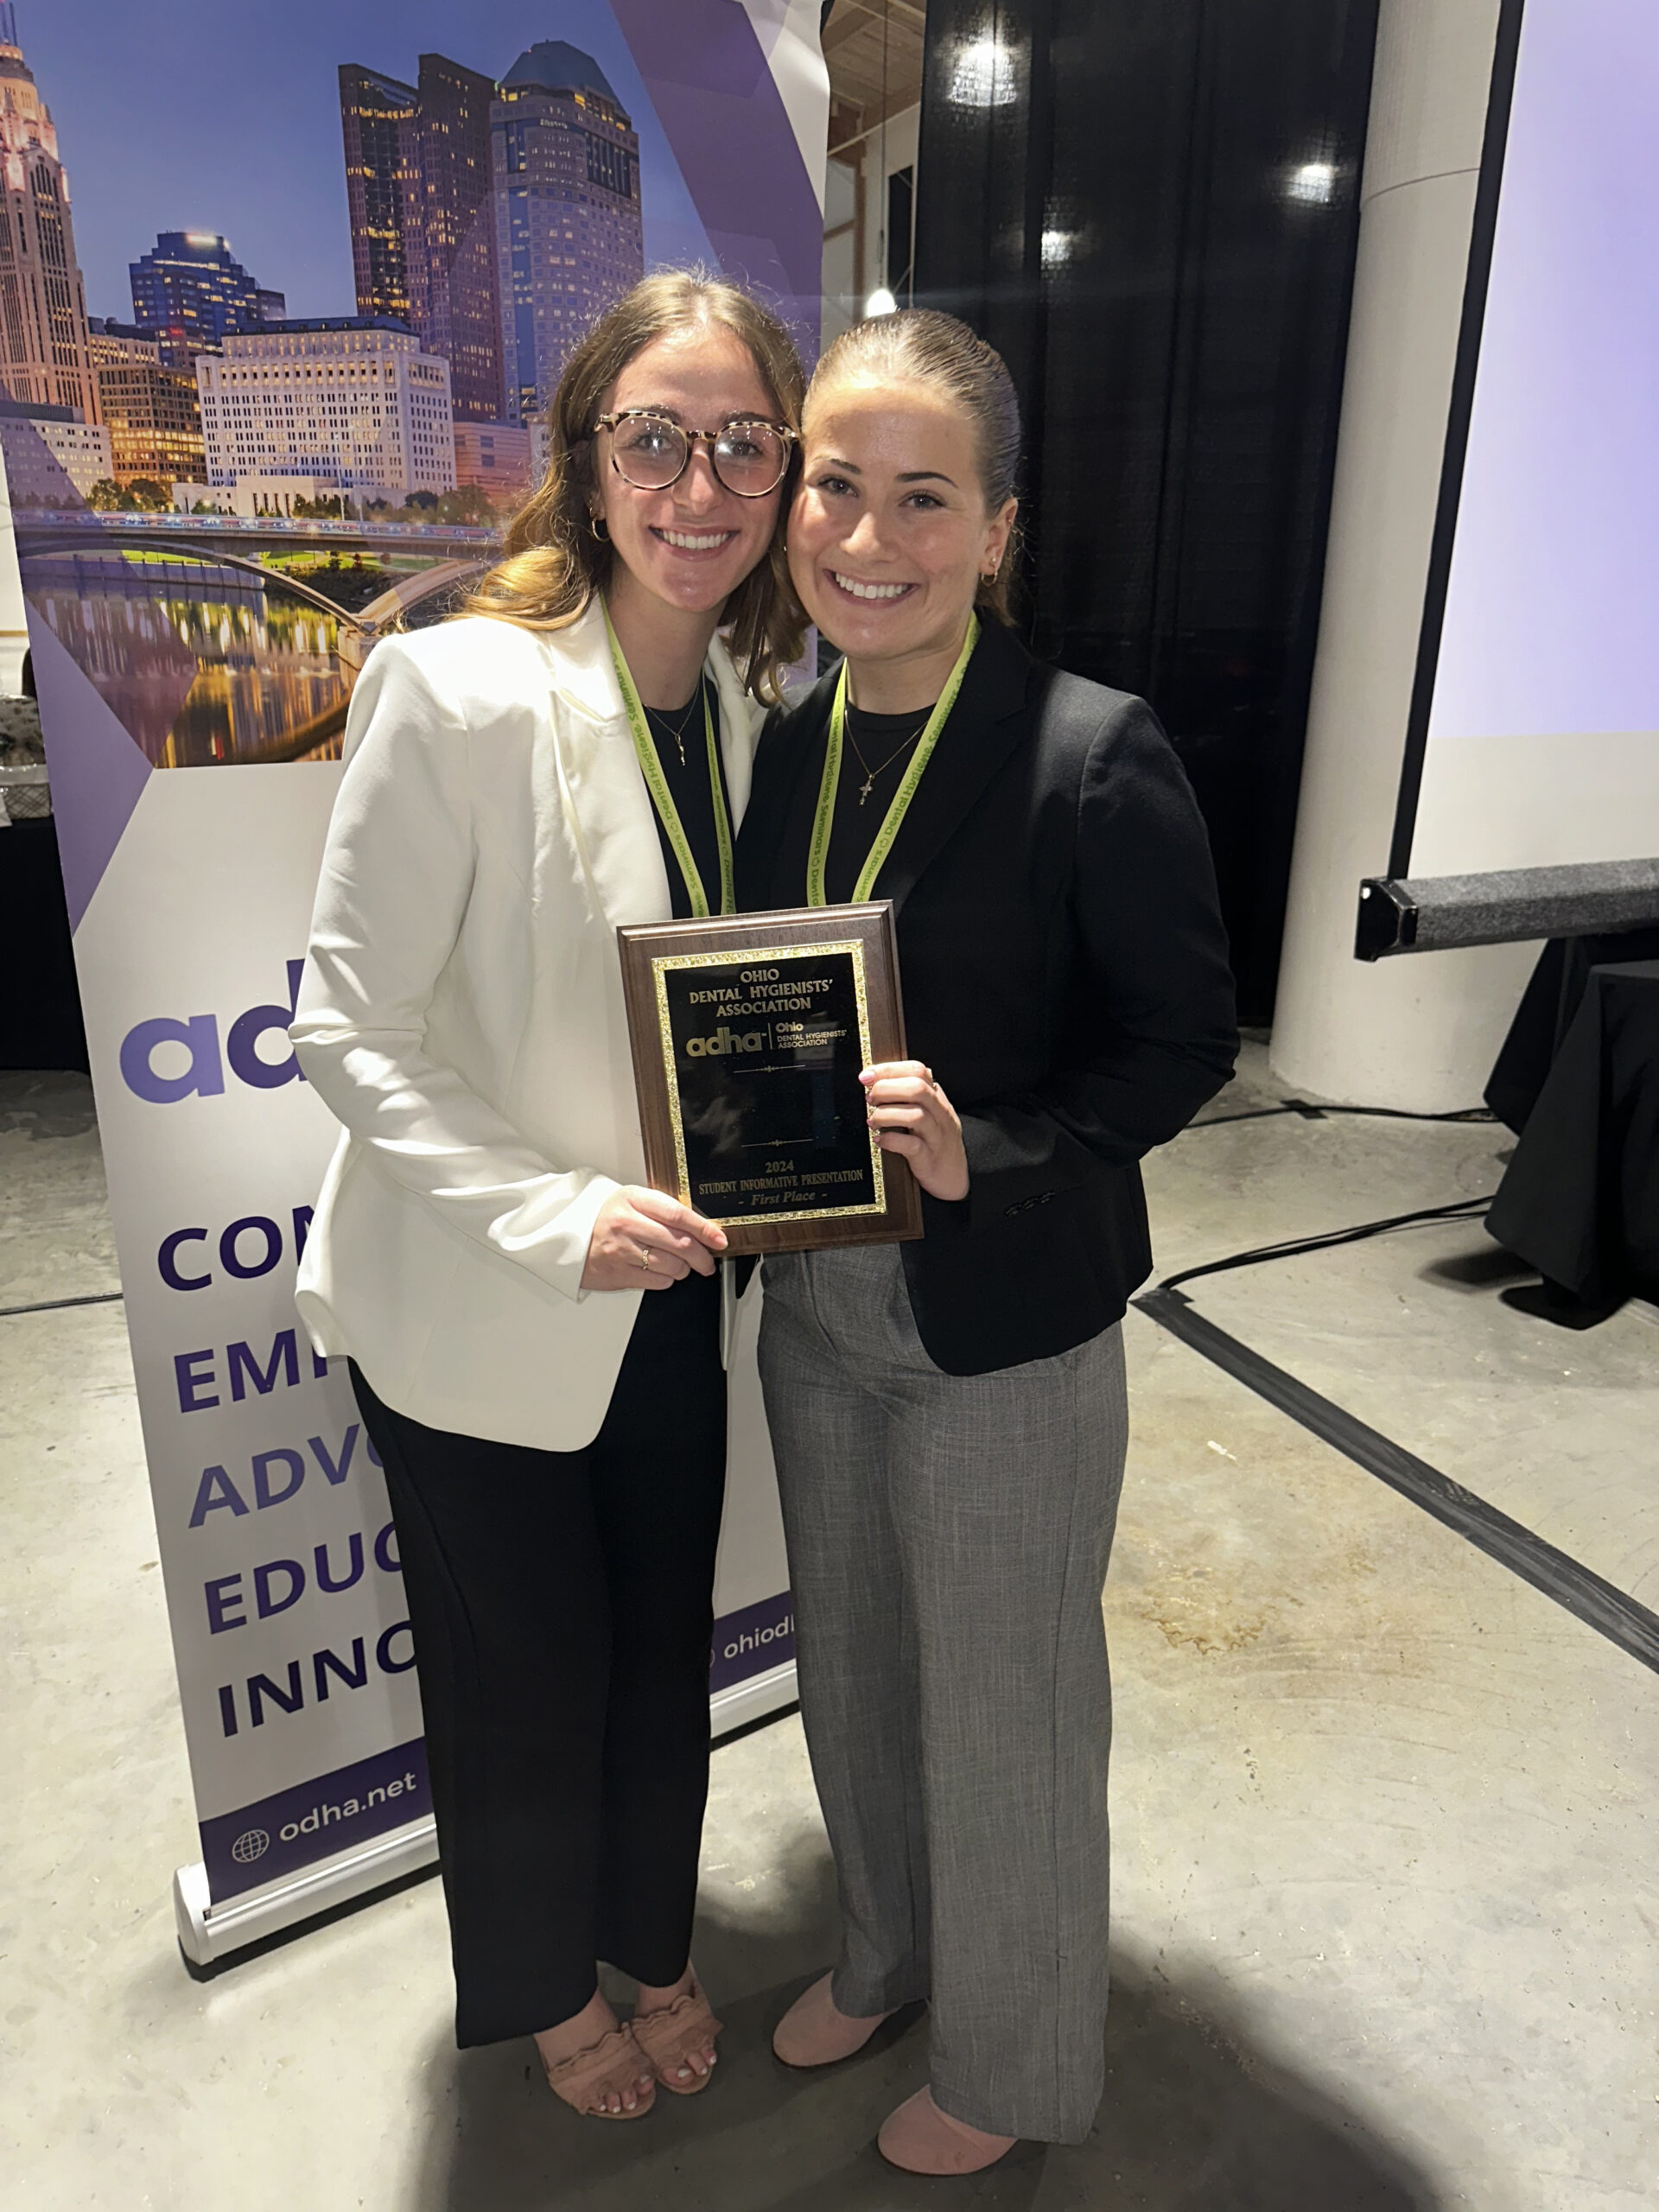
(749,1032)
(644,1240)
(910,1114)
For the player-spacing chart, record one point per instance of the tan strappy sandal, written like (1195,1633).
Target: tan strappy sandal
(611,2066)
(665,2037)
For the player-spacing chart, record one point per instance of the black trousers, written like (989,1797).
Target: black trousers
(561,1605)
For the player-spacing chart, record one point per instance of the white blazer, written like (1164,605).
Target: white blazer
(462,1015)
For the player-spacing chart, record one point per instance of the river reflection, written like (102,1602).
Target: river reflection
(199,662)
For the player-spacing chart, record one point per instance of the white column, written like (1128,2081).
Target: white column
(1419,1032)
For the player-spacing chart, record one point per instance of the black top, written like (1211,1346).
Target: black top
(689,785)
(1064,974)
(881,742)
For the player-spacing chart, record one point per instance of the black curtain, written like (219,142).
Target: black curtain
(1150,207)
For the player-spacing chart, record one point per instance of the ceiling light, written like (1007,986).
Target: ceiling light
(880,302)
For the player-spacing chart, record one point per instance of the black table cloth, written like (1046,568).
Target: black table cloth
(40,1003)
(1546,1012)
(1580,1200)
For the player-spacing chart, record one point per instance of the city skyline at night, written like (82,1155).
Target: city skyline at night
(497,219)
(266,173)
(206,545)
(492,217)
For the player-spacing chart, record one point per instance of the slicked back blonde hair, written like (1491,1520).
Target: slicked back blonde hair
(921,346)
(554,566)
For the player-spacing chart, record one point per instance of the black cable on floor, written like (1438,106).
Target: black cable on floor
(1460,1210)
(1475,1116)
(1254,1114)
(57,1305)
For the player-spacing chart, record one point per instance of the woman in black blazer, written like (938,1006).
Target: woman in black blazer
(949,1415)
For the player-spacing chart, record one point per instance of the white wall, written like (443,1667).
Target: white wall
(14,628)
(1419,1032)
(854,182)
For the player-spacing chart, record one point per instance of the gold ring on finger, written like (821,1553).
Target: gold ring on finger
(645,1260)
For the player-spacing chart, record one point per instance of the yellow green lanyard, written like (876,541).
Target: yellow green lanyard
(817,857)
(662,798)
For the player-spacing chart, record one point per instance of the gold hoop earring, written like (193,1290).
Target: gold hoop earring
(597,524)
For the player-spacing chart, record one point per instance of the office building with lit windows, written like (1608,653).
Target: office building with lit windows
(351,403)
(417,188)
(453,264)
(377,115)
(568,240)
(153,412)
(43,354)
(192,294)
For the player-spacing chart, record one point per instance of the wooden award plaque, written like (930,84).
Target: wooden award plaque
(749,1033)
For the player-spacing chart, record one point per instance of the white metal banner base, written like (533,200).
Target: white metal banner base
(210,1933)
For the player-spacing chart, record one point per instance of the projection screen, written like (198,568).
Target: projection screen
(1534,738)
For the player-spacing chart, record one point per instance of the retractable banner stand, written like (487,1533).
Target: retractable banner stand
(227,476)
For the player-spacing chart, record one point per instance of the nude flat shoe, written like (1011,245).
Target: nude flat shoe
(667,2035)
(921,2139)
(609,2067)
(813,2033)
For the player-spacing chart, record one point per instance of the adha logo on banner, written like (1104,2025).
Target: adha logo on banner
(250,461)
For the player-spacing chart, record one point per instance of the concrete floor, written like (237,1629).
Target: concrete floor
(1386,1932)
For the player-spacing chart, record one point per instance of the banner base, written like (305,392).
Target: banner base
(746,1702)
(209,1933)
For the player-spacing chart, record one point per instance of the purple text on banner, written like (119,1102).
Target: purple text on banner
(277,1835)
(752,1641)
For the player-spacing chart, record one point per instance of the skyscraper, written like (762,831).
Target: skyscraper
(43,353)
(418,182)
(190,290)
(383,172)
(564,163)
(452,286)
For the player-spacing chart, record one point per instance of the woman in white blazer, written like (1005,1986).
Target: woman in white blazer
(534,1335)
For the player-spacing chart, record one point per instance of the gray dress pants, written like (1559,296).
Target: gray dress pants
(948,1540)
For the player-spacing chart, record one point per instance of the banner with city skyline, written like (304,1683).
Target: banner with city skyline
(282,301)
(348,308)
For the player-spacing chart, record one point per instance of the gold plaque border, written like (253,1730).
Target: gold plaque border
(660,965)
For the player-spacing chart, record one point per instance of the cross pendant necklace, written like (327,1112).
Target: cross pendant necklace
(870,774)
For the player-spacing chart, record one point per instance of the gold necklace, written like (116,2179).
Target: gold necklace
(678,735)
(870,774)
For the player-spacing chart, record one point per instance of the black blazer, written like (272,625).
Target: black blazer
(1065,974)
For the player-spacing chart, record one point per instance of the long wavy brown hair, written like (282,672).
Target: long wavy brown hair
(554,565)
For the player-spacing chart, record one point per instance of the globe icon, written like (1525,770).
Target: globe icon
(251,1844)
